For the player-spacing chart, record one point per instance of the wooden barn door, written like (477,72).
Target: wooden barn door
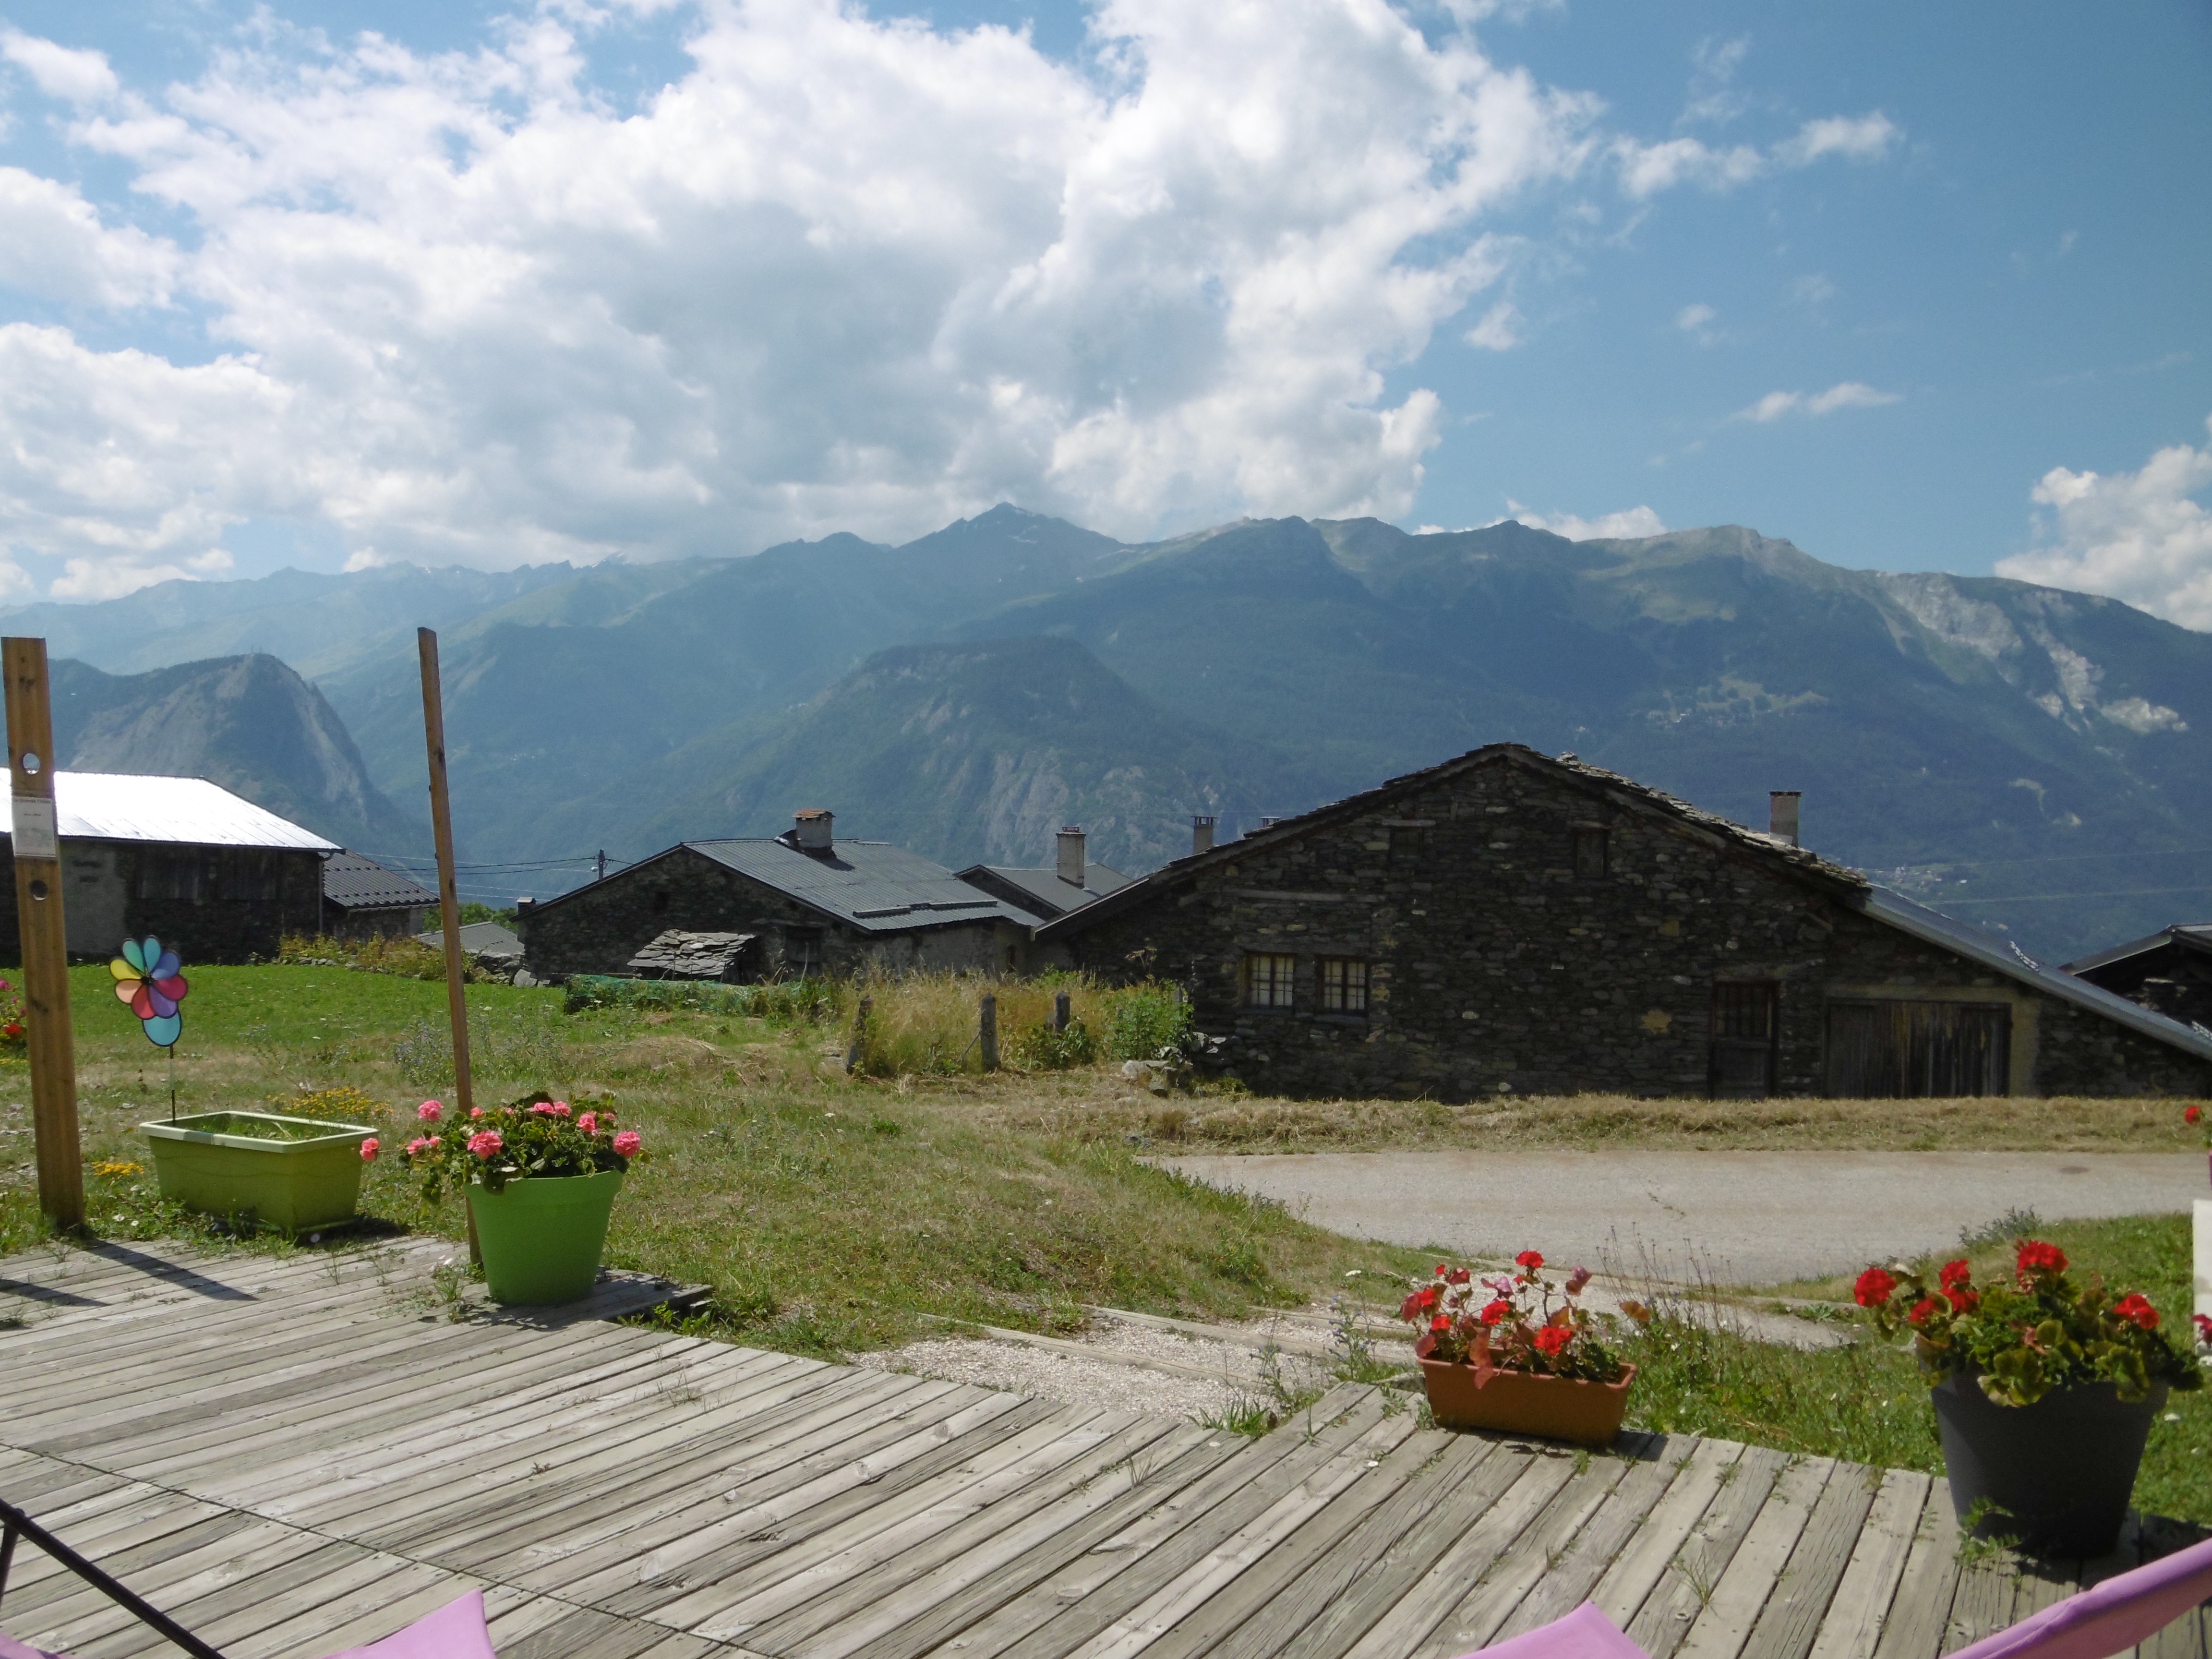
(1746,1027)
(1896,1050)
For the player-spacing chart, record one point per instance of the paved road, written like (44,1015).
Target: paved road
(1748,1217)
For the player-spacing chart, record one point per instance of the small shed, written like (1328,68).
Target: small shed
(179,857)
(362,899)
(678,955)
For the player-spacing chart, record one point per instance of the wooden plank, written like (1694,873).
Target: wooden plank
(1984,1604)
(1702,1473)
(1792,1617)
(1695,1570)
(1920,1614)
(1499,1588)
(1587,1556)
(1753,1576)
(1864,1596)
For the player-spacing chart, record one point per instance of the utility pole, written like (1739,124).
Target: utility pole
(36,843)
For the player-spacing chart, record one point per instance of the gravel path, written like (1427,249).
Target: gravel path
(1739,1218)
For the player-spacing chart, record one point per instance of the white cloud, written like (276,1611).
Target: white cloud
(841,273)
(1647,169)
(1627,525)
(2139,537)
(1499,331)
(52,244)
(1697,321)
(1848,394)
(79,76)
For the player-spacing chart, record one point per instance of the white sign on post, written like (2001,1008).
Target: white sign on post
(35,835)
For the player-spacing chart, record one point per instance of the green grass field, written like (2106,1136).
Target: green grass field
(834,1214)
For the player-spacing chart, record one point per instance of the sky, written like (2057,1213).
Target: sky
(320,283)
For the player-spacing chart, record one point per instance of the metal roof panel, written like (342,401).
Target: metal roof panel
(181,812)
(362,883)
(872,885)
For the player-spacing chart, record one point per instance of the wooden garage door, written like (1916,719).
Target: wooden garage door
(1913,1050)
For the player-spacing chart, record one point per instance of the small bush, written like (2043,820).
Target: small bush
(1145,1022)
(1038,1047)
(781,1002)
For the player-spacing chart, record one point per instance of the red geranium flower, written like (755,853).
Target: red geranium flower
(1531,1260)
(1496,1311)
(2192,1115)
(1874,1288)
(1963,1301)
(1440,1323)
(1921,1310)
(1428,1295)
(1410,1309)
(1954,1274)
(2136,1306)
(2203,1326)
(2036,1257)
(1458,1276)
(1552,1339)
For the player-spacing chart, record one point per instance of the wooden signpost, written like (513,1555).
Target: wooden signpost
(38,851)
(449,901)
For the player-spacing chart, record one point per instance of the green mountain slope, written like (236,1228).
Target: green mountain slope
(248,723)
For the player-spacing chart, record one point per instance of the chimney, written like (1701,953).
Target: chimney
(1201,833)
(1782,819)
(1070,854)
(809,831)
(522,907)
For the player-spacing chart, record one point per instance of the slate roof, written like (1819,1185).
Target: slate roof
(175,811)
(868,884)
(1838,879)
(678,955)
(354,883)
(479,939)
(1055,895)
(2189,935)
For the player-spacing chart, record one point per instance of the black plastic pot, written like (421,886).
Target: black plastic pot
(2057,1474)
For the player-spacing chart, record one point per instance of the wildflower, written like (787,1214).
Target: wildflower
(1531,1260)
(1496,1312)
(1873,1289)
(430,1111)
(1552,1339)
(2036,1257)
(370,1148)
(626,1144)
(484,1142)
(2135,1306)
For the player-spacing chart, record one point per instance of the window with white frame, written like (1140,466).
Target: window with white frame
(1343,985)
(1267,980)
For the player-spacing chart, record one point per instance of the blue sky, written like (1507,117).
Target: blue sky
(1915,287)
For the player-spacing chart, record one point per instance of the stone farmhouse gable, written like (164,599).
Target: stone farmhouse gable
(1506,923)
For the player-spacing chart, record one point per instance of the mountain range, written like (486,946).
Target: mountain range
(2029,757)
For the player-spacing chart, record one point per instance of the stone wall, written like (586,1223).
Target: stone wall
(599,929)
(238,906)
(1496,968)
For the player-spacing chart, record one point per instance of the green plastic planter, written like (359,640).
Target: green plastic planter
(313,1182)
(542,1237)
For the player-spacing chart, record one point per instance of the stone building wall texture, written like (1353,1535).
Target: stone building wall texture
(252,898)
(1494,968)
(599,929)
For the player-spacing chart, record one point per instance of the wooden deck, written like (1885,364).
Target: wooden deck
(291,1456)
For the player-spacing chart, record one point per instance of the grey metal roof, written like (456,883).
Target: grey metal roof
(2189,935)
(1058,896)
(361,884)
(1968,940)
(871,884)
(479,939)
(178,812)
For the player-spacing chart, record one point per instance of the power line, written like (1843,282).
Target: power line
(1948,902)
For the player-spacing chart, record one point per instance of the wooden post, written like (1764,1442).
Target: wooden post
(858,1052)
(989,1032)
(45,940)
(449,900)
(1059,1011)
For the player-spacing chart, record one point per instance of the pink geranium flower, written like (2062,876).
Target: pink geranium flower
(421,1144)
(370,1148)
(589,1123)
(484,1142)
(626,1144)
(430,1111)
(476,1111)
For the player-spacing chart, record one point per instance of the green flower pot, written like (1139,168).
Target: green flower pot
(542,1236)
(297,1173)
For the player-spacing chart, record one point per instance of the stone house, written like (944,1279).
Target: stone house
(1506,923)
(181,858)
(362,899)
(2170,973)
(1072,882)
(813,904)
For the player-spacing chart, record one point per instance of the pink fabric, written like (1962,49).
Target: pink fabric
(1585,1633)
(11,1649)
(2111,1617)
(456,1631)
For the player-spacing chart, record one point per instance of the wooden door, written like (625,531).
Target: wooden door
(1895,1050)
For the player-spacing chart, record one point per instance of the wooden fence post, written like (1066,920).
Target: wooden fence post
(989,1032)
(37,844)
(449,898)
(1059,1011)
(858,1052)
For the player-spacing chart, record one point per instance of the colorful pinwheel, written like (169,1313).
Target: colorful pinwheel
(146,978)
